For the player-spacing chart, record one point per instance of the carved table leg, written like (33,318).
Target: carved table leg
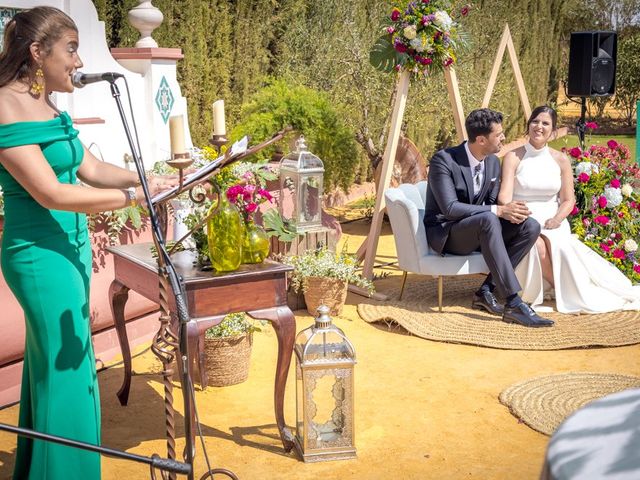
(119,294)
(284,323)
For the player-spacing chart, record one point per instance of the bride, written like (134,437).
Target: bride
(559,264)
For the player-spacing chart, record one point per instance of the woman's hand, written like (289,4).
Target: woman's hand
(552,224)
(156,184)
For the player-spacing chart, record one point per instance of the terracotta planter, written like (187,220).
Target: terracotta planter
(331,292)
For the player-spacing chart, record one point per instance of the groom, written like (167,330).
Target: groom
(462,216)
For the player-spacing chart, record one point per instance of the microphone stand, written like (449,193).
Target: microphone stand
(580,124)
(164,344)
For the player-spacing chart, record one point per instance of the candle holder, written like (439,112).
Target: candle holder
(218,141)
(180,161)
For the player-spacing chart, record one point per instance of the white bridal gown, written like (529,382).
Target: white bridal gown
(584,281)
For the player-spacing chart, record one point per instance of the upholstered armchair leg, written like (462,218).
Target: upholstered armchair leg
(404,280)
(440,293)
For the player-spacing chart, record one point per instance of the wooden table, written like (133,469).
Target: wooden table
(260,290)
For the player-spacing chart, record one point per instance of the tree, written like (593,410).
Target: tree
(628,77)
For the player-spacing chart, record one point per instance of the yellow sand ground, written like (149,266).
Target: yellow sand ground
(423,409)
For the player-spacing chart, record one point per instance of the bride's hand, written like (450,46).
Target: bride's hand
(551,224)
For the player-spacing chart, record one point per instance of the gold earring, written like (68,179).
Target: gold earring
(37,86)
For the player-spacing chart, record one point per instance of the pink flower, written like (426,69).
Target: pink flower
(615,183)
(575,210)
(618,253)
(265,194)
(583,177)
(395,15)
(575,152)
(612,144)
(632,204)
(591,125)
(399,46)
(464,11)
(620,214)
(390,30)
(636,268)
(448,61)
(586,222)
(601,220)
(602,201)
(605,247)
(251,207)
(610,242)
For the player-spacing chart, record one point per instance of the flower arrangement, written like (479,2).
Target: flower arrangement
(606,216)
(325,263)
(249,192)
(421,36)
(233,325)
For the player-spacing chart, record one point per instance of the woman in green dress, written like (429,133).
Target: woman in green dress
(46,253)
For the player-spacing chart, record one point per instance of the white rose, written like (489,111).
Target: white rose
(410,32)
(417,44)
(586,167)
(443,20)
(626,190)
(613,196)
(630,245)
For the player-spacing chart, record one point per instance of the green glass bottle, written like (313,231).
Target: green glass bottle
(225,234)
(255,243)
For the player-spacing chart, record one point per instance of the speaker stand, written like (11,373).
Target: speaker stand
(581,124)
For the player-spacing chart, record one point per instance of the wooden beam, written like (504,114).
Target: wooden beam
(402,90)
(456,103)
(506,43)
(496,66)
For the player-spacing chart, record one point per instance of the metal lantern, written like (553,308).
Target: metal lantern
(301,175)
(324,391)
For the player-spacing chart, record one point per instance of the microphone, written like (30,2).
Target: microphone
(80,79)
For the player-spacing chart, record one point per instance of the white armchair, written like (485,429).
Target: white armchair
(405,207)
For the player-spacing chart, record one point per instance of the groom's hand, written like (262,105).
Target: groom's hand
(515,211)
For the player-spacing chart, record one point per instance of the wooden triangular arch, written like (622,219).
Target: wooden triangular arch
(367,250)
(506,42)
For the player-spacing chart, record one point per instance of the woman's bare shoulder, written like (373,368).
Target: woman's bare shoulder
(515,155)
(559,157)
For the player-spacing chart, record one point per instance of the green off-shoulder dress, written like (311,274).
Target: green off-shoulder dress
(46,261)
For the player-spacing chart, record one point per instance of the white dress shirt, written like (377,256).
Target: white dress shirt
(477,178)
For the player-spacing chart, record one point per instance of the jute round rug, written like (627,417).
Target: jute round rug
(418,313)
(544,402)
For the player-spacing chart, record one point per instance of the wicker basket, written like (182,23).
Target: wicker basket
(228,359)
(331,292)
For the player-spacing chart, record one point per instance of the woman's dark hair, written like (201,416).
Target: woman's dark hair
(45,25)
(543,109)
(480,122)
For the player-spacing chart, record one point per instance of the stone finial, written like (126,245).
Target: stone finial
(145,18)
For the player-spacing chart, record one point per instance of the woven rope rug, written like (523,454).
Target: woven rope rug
(544,402)
(418,313)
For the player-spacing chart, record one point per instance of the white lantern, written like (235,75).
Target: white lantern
(301,177)
(324,392)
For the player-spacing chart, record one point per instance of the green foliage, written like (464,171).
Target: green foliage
(116,221)
(325,263)
(278,227)
(233,325)
(383,56)
(309,112)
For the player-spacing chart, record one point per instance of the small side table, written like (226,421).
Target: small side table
(260,290)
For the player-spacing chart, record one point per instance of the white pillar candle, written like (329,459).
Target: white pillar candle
(219,127)
(176,134)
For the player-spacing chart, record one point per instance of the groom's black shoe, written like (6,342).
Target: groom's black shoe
(523,314)
(485,300)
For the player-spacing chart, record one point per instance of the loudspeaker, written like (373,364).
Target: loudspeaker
(592,64)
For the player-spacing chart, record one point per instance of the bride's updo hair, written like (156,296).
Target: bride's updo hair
(45,25)
(543,109)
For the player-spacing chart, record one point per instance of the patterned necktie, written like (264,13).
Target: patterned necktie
(476,175)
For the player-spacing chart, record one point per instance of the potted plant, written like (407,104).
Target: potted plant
(323,276)
(227,349)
